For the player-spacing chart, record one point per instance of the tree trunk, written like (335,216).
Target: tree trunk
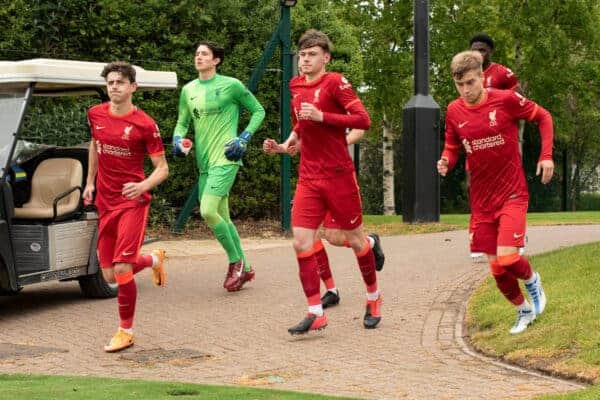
(389,207)
(575,189)
(575,181)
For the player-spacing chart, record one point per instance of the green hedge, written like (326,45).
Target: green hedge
(589,202)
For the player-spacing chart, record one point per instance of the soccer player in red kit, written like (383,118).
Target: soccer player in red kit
(333,231)
(122,135)
(485,123)
(324,105)
(494,75)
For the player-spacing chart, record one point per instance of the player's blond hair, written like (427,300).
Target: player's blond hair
(464,62)
(312,38)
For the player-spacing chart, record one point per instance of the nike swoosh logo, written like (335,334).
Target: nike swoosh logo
(461,124)
(353,220)
(127,253)
(98,127)
(193,98)
(517,236)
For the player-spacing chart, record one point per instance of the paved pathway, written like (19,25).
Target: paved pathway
(194,331)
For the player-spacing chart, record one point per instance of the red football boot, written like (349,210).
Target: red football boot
(310,323)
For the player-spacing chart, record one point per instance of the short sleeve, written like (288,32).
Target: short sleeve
(154,144)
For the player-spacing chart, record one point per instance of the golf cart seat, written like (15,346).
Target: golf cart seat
(55,190)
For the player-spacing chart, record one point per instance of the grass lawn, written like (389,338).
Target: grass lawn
(592,393)
(566,338)
(393,225)
(28,387)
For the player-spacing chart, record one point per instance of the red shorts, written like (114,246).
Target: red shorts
(120,235)
(330,222)
(504,227)
(337,197)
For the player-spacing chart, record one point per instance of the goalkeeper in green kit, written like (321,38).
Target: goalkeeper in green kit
(212,103)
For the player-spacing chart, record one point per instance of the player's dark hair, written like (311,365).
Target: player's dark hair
(483,38)
(312,38)
(217,51)
(123,67)
(464,62)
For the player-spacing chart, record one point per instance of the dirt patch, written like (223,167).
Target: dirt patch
(174,357)
(264,378)
(11,350)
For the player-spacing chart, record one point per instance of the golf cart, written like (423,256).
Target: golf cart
(46,232)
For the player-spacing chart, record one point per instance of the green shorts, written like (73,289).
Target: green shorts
(217,181)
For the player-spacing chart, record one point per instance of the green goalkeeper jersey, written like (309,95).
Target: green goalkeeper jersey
(214,107)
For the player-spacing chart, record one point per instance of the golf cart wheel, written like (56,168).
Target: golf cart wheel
(95,286)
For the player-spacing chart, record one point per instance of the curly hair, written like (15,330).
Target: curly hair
(124,68)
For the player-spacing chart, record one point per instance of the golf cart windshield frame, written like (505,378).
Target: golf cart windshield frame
(11,135)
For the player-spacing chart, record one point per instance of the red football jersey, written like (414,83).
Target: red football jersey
(498,76)
(122,142)
(324,150)
(488,132)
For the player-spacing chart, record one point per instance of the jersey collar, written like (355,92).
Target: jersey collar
(482,102)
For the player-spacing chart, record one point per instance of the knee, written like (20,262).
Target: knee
(356,240)
(497,269)
(507,260)
(335,237)
(301,245)
(209,214)
(504,280)
(121,268)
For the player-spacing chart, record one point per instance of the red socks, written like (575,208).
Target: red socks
(366,262)
(507,270)
(126,298)
(323,264)
(517,265)
(309,276)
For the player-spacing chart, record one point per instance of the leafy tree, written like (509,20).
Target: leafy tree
(162,35)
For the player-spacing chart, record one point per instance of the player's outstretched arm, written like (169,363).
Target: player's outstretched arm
(291,146)
(90,187)
(354,136)
(546,168)
(545,165)
(131,190)
(181,146)
(235,148)
(356,115)
(452,146)
(442,166)
(184,117)
(249,102)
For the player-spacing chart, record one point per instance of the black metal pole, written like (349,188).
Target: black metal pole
(421,56)
(285,122)
(421,140)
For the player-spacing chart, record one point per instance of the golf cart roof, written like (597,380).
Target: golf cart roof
(53,77)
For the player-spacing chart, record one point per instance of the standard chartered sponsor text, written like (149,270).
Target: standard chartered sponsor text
(487,142)
(115,150)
